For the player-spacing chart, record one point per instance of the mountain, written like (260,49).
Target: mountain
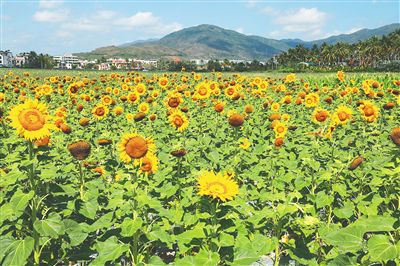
(212,42)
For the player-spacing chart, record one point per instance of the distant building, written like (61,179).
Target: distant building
(104,66)
(21,59)
(6,59)
(67,61)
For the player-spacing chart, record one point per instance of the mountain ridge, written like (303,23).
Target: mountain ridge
(207,41)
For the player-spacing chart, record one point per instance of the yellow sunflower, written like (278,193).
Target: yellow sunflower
(369,111)
(100,111)
(135,147)
(244,143)
(163,82)
(31,120)
(202,91)
(148,165)
(133,97)
(178,120)
(320,115)
(342,115)
(106,100)
(280,129)
(311,100)
(217,186)
(144,108)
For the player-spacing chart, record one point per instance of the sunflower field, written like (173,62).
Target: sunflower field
(199,169)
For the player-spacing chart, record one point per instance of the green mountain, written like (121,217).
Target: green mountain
(212,42)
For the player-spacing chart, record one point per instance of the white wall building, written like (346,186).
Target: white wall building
(67,61)
(6,59)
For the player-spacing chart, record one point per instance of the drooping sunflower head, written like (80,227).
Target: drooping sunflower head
(135,147)
(236,120)
(395,136)
(217,185)
(31,120)
(80,150)
(178,120)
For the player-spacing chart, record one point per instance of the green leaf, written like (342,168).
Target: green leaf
(376,223)
(349,239)
(19,201)
(343,260)
(202,258)
(109,250)
(381,249)
(89,208)
(75,231)
(53,226)
(17,252)
(226,240)
(346,211)
(129,226)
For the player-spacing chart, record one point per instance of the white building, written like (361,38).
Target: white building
(21,59)
(6,59)
(67,61)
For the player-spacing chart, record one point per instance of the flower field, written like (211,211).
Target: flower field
(199,169)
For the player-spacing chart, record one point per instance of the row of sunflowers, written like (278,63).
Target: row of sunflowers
(199,169)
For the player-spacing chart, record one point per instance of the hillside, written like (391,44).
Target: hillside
(212,42)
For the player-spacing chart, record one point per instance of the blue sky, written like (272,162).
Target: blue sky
(58,27)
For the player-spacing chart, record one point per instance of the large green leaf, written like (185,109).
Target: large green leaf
(376,223)
(381,249)
(349,239)
(129,226)
(17,251)
(53,226)
(19,201)
(109,250)
(202,258)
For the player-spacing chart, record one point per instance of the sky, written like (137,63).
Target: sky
(57,27)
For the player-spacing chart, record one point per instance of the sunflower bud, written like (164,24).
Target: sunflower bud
(84,121)
(179,153)
(139,116)
(388,106)
(395,136)
(79,150)
(356,163)
(236,120)
(65,128)
(104,142)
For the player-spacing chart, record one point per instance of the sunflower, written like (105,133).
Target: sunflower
(217,186)
(100,111)
(141,89)
(202,91)
(290,78)
(340,76)
(31,120)
(144,108)
(135,147)
(133,97)
(275,106)
(148,165)
(178,120)
(311,100)
(106,100)
(118,110)
(244,143)
(320,115)
(163,82)
(369,111)
(342,115)
(280,129)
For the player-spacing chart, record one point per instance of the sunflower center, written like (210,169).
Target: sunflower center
(368,111)
(202,91)
(321,117)
(31,119)
(280,129)
(217,188)
(146,166)
(173,102)
(178,121)
(136,147)
(163,82)
(100,111)
(342,116)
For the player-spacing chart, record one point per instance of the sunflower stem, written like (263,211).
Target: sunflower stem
(82,181)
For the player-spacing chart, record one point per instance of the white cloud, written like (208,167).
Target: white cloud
(307,21)
(50,16)
(49,3)
(252,3)
(106,21)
